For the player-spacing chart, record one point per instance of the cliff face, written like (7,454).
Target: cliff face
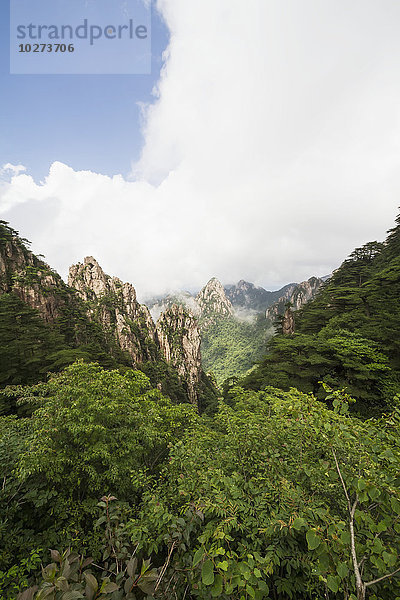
(296,295)
(179,338)
(114,305)
(213,303)
(288,324)
(176,336)
(32,280)
(13,260)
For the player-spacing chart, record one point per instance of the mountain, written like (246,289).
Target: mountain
(234,331)
(297,295)
(113,304)
(245,295)
(160,304)
(46,324)
(213,303)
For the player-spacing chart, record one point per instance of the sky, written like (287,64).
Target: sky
(264,146)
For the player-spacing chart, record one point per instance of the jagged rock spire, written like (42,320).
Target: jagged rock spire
(179,338)
(213,302)
(116,307)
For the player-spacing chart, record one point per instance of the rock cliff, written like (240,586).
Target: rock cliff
(175,337)
(115,306)
(288,324)
(297,295)
(179,338)
(101,315)
(31,279)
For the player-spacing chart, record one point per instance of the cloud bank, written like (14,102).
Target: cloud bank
(270,151)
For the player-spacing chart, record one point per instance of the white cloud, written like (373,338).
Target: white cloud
(9,169)
(271,151)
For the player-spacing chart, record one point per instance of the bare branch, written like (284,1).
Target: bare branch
(382,578)
(352,510)
(341,479)
(165,566)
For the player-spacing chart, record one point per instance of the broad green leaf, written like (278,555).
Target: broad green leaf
(374,493)
(91,581)
(71,595)
(207,573)
(262,586)
(131,567)
(198,556)
(299,523)
(395,504)
(343,570)
(216,589)
(390,559)
(55,556)
(250,591)
(345,537)
(332,583)
(313,540)
(109,587)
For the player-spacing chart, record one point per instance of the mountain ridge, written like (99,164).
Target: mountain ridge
(94,317)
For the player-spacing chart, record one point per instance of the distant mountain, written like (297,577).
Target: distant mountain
(235,321)
(245,295)
(213,303)
(210,304)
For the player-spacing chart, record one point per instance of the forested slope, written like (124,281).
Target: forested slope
(349,335)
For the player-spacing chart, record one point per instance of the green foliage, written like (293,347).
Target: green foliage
(18,577)
(26,342)
(269,495)
(88,421)
(258,500)
(119,576)
(251,502)
(91,431)
(230,347)
(161,373)
(30,348)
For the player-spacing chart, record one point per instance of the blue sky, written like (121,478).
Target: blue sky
(89,122)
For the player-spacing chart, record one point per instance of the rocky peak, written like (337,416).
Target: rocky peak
(213,303)
(252,298)
(114,304)
(296,295)
(179,339)
(90,281)
(181,298)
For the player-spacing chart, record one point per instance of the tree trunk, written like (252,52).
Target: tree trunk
(361,592)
